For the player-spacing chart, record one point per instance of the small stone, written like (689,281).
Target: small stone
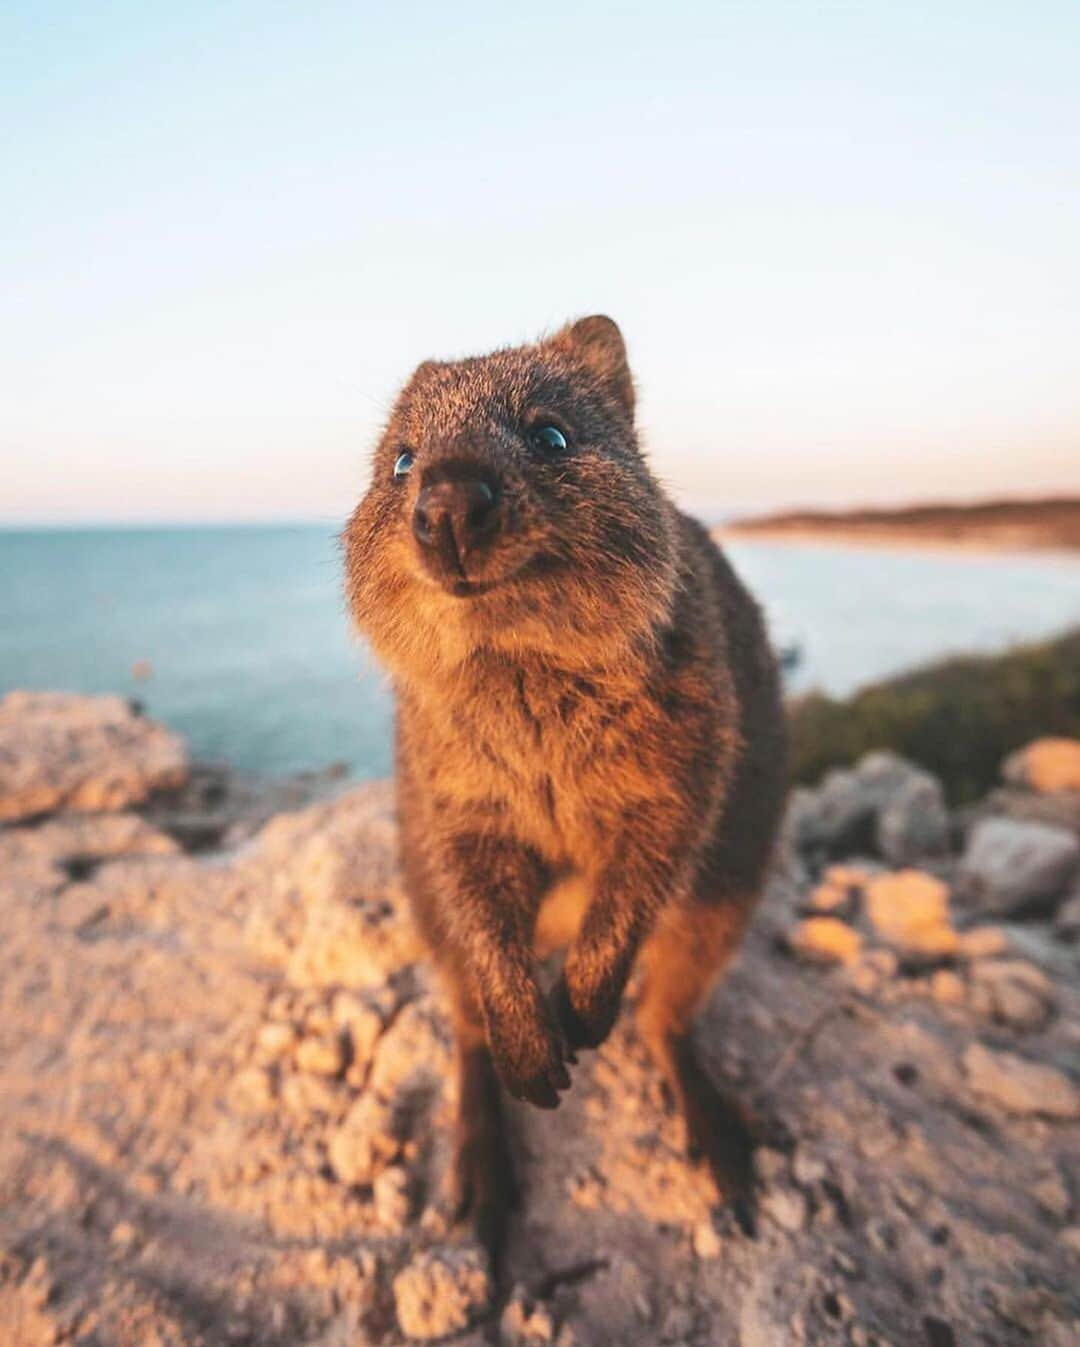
(390,1194)
(1046,765)
(1020,1086)
(306,1094)
(838,893)
(807,1169)
(769,1165)
(825,940)
(441,1292)
(982,942)
(786,1207)
(322,1056)
(947,988)
(361,1020)
(525,1322)
(1016,993)
(276,1039)
(909,910)
(365,1143)
(123,1235)
(706,1241)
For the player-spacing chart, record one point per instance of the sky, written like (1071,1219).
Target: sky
(841,241)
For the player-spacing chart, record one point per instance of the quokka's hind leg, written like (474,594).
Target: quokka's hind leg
(483,1185)
(681,961)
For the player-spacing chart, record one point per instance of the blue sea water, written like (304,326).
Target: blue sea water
(252,658)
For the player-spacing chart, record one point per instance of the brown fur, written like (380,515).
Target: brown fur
(588,723)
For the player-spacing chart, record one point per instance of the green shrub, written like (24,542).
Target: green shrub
(958,717)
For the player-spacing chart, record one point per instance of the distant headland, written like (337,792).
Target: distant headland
(1047,523)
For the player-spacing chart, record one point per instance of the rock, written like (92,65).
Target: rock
(59,751)
(347,943)
(914,822)
(982,942)
(525,1322)
(1046,765)
(441,1292)
(947,989)
(808,1169)
(1011,868)
(324,1054)
(1020,1086)
(824,940)
(358,1017)
(390,1194)
(1013,992)
(786,1207)
(909,910)
(1052,1193)
(705,1240)
(275,1040)
(883,804)
(1067,921)
(838,893)
(873,968)
(365,1142)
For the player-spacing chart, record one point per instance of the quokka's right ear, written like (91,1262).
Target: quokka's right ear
(597,342)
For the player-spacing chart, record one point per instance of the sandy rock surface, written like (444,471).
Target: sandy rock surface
(81,754)
(226,1094)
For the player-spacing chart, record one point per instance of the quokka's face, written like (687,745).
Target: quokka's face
(507,480)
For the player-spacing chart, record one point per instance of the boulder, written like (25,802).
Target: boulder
(64,752)
(1013,868)
(1045,766)
(883,805)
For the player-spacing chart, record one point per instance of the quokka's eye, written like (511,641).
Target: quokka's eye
(403,464)
(548,439)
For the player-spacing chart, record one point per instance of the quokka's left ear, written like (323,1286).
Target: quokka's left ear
(598,343)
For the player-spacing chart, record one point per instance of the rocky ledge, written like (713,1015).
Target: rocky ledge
(224,1071)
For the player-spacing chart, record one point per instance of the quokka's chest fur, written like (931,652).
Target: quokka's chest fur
(561,760)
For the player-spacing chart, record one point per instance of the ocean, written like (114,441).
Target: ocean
(244,644)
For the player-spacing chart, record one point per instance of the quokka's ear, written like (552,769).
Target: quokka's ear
(598,344)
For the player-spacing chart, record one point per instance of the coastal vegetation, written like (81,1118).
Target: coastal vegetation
(958,717)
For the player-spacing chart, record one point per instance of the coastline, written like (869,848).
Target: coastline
(888,540)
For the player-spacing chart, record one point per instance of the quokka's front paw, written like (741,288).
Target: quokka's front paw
(530,1056)
(586,1020)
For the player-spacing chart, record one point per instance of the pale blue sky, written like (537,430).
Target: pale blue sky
(842,240)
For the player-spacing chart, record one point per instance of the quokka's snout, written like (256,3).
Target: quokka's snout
(458,516)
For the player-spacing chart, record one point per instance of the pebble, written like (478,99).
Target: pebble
(807,1169)
(982,942)
(825,940)
(323,1056)
(1020,1086)
(706,1241)
(786,1207)
(276,1039)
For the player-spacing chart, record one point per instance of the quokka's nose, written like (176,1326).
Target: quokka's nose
(455,515)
